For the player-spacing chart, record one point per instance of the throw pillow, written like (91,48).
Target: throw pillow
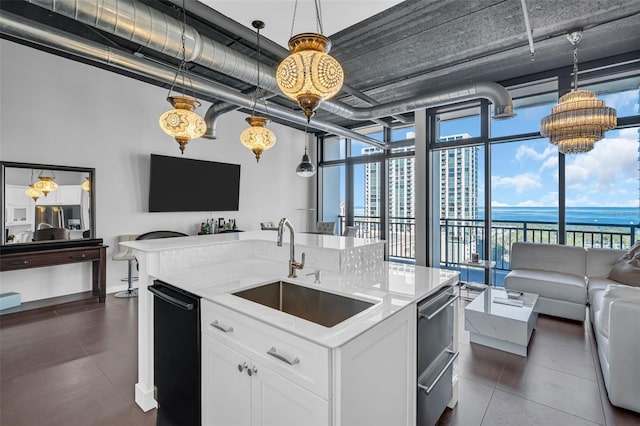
(627,269)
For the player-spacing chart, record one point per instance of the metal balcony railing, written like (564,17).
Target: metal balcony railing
(461,237)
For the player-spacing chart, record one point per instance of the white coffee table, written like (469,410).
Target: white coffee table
(499,326)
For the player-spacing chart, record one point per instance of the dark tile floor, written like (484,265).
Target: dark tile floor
(77,366)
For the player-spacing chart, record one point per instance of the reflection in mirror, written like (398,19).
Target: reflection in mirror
(43,203)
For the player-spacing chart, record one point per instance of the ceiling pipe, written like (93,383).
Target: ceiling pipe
(217,109)
(141,24)
(213,114)
(229,25)
(25,29)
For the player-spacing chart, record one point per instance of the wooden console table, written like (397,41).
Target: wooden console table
(37,259)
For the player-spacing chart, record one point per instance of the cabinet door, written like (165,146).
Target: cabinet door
(277,401)
(226,388)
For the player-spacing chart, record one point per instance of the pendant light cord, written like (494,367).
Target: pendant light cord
(182,67)
(318,17)
(318,8)
(258,92)
(575,66)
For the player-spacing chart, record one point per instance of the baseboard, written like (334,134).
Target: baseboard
(144,398)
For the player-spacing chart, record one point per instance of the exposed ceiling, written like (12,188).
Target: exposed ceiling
(413,47)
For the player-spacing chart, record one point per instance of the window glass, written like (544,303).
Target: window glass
(403,133)
(401,233)
(367,202)
(602,195)
(619,94)
(334,148)
(524,192)
(361,148)
(530,112)
(458,124)
(333,194)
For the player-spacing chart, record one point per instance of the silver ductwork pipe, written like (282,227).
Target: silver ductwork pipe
(141,24)
(213,114)
(24,29)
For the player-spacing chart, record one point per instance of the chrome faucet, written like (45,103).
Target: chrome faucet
(293,265)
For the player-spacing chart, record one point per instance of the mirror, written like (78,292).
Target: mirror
(60,205)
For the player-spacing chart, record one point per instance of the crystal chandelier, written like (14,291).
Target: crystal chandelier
(580,119)
(257,138)
(46,183)
(309,75)
(181,122)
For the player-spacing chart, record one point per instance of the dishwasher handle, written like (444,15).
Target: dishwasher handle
(452,298)
(170,299)
(428,389)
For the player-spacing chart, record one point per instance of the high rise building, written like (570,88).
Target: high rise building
(458,180)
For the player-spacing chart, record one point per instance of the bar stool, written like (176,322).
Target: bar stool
(126,253)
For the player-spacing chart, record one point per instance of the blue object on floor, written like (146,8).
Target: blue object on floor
(9,300)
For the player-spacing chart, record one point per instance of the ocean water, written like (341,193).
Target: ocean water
(585,215)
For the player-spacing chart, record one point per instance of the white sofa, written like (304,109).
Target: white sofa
(554,271)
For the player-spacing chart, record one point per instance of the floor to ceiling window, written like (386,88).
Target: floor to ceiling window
(494,182)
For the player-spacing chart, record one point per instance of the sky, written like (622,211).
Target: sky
(525,174)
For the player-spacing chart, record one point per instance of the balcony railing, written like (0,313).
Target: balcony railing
(461,237)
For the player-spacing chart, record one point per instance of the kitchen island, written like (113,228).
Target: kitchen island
(335,375)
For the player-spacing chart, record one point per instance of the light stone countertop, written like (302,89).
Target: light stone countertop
(330,242)
(391,291)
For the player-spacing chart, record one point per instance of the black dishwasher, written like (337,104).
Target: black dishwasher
(176,355)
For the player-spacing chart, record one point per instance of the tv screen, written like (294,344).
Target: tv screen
(185,185)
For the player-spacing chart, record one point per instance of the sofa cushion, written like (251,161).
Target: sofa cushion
(548,257)
(612,293)
(627,269)
(600,261)
(597,285)
(552,285)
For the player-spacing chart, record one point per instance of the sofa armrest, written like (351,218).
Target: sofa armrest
(624,353)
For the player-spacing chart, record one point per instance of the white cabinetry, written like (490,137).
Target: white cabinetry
(237,390)
(19,207)
(63,196)
(256,374)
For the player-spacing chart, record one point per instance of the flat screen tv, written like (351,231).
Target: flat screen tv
(186,185)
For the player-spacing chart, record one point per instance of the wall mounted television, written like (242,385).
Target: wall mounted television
(186,185)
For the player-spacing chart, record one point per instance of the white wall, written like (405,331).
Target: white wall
(56,111)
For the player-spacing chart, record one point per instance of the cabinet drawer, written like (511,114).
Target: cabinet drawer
(39,259)
(299,360)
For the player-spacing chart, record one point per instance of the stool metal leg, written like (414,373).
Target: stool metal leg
(129,292)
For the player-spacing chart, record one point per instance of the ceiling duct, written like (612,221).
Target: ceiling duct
(24,29)
(137,22)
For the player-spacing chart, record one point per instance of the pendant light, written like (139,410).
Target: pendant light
(580,119)
(257,138)
(46,183)
(309,75)
(86,185)
(181,122)
(32,192)
(305,168)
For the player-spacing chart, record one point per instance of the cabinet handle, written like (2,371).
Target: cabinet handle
(428,389)
(79,256)
(19,262)
(221,327)
(274,353)
(253,370)
(242,366)
(452,298)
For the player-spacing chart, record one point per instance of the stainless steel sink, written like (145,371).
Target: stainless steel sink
(320,307)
